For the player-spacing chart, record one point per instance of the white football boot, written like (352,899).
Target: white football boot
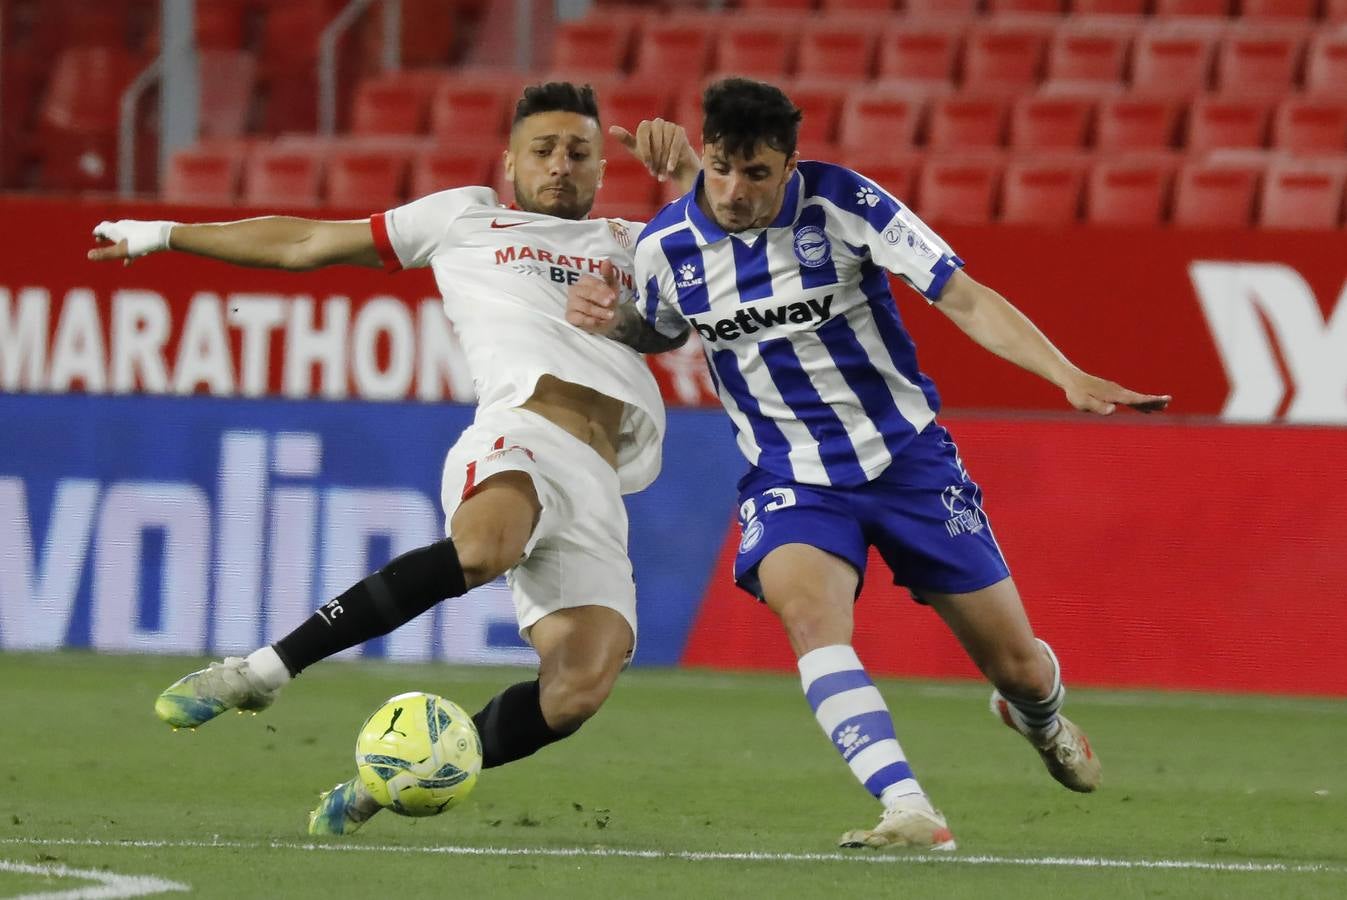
(1066,751)
(916,826)
(201,696)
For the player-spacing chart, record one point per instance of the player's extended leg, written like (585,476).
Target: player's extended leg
(582,651)
(994,630)
(813,593)
(490,531)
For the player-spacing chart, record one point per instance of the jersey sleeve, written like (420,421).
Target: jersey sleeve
(407,236)
(894,236)
(654,290)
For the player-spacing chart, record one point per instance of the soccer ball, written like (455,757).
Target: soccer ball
(419,754)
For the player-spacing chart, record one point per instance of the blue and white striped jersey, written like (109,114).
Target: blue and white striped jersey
(800,330)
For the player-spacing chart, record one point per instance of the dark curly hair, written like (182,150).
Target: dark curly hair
(741,113)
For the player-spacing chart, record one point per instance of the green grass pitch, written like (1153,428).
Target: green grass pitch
(688,784)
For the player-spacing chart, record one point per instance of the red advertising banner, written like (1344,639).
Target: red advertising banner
(1195,557)
(1244,325)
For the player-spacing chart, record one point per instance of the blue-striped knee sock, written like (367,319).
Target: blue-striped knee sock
(854,716)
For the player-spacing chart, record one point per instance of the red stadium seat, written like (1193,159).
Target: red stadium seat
(1041,193)
(1108,7)
(1294,10)
(821,103)
(1258,63)
(917,9)
(895,173)
(1050,123)
(1214,196)
(966,123)
(1209,9)
(879,118)
(676,52)
(958,191)
(1307,126)
(1227,122)
(628,102)
(1128,124)
(920,52)
(859,6)
(1088,54)
(1127,193)
(441,170)
(829,50)
(595,44)
(203,177)
(1011,7)
(473,108)
(1302,196)
(77,118)
(283,178)
(227,81)
(1335,10)
(1005,59)
(785,6)
(389,106)
(1172,60)
(365,181)
(1326,67)
(626,180)
(754,49)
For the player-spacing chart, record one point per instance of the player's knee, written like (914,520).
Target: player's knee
(1024,675)
(483,557)
(812,622)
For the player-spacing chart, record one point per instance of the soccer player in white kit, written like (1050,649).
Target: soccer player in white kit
(566,423)
(782,267)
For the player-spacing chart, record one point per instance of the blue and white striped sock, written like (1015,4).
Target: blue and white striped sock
(854,716)
(1039,717)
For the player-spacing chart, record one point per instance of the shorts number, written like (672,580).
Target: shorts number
(781,498)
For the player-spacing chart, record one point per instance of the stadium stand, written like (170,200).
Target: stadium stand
(1201,113)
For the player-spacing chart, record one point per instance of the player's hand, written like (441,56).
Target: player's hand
(591,303)
(1099,395)
(662,146)
(127,239)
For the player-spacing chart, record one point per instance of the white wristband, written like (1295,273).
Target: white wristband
(141,237)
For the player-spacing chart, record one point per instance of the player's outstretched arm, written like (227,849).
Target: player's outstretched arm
(275,242)
(991,320)
(663,147)
(591,305)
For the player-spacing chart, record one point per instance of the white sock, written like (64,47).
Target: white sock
(266,665)
(853,714)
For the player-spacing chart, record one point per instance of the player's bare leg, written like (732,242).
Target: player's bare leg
(813,593)
(583,651)
(994,630)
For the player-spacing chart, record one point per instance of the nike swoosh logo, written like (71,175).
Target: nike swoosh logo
(496,224)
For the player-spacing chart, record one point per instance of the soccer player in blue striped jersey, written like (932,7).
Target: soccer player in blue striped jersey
(782,267)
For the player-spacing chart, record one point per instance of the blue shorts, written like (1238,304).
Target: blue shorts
(923,514)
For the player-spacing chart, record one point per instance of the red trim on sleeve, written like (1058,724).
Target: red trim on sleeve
(379,228)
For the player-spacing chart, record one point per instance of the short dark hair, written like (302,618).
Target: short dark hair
(741,113)
(556,96)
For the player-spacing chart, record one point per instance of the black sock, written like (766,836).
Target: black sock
(512,725)
(392,596)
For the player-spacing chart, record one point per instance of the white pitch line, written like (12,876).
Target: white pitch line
(1071,862)
(110,886)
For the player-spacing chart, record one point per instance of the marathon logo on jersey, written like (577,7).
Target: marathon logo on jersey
(964,515)
(561,268)
(750,320)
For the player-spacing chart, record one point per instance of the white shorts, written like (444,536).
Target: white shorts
(577,554)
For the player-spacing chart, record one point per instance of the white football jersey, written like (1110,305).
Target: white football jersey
(504,274)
